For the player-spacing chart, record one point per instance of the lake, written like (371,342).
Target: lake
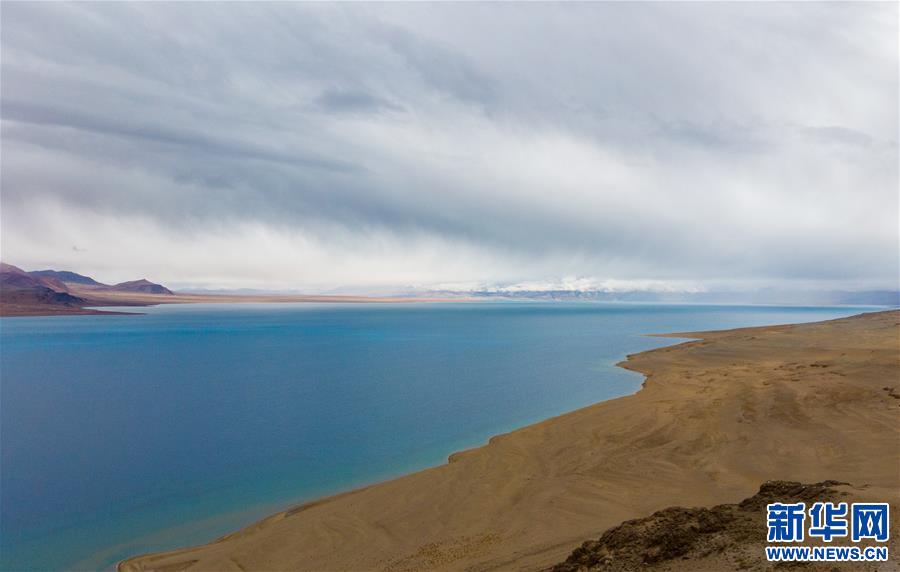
(126,434)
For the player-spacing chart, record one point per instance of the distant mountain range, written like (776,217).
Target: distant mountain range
(59,291)
(64,279)
(761,296)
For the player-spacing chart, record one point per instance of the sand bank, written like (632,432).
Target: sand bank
(715,418)
(94,298)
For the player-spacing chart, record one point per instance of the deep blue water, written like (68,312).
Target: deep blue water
(124,434)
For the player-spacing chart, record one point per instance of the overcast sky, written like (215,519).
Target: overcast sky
(316,146)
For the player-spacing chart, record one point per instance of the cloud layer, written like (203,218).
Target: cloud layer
(314,146)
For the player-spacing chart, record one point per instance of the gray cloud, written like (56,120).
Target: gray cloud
(318,145)
(24,112)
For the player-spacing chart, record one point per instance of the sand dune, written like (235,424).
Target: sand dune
(716,417)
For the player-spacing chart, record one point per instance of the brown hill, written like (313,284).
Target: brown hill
(22,293)
(62,278)
(143,285)
(13,277)
(51,292)
(54,284)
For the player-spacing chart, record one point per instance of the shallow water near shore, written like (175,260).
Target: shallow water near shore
(127,434)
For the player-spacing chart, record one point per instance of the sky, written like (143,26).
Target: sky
(358,147)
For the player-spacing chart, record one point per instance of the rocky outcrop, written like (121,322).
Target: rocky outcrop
(685,537)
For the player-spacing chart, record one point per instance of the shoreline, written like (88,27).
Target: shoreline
(92,301)
(527,497)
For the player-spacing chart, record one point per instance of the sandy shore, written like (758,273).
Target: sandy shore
(715,418)
(99,298)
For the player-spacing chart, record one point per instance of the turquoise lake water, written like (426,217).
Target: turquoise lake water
(126,434)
